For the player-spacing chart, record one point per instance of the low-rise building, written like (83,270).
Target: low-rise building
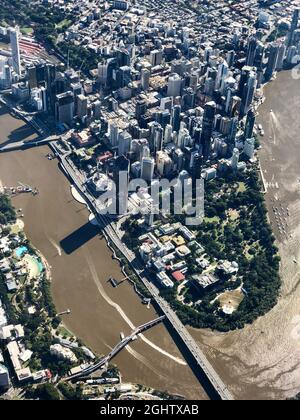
(204,282)
(183,251)
(164,280)
(12,332)
(63,353)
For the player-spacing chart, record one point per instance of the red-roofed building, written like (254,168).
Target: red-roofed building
(178,276)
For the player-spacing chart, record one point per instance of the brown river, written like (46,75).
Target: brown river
(259,362)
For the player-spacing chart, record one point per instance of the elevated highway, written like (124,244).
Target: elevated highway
(220,390)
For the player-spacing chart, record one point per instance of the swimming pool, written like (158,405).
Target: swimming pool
(21,251)
(40,265)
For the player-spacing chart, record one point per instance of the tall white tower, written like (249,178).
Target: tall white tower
(147,168)
(15,49)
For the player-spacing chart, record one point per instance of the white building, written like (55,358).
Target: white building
(63,353)
(15,49)
(174,85)
(249,148)
(147,168)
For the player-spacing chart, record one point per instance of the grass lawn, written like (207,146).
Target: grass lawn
(215,219)
(26,31)
(64,332)
(241,187)
(63,24)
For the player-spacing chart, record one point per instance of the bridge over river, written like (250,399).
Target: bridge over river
(120,346)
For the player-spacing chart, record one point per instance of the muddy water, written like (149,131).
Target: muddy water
(81,265)
(263,360)
(260,362)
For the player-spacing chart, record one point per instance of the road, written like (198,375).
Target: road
(110,230)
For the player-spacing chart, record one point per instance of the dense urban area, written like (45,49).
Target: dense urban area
(164,93)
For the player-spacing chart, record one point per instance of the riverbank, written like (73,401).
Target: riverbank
(262,361)
(81,265)
(28,307)
(252,361)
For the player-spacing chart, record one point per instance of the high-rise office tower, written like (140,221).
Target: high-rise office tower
(207,53)
(249,148)
(15,49)
(82,104)
(125,140)
(113,132)
(123,57)
(164,163)
(147,171)
(207,128)
(140,108)
(64,107)
(248,93)
(294,26)
(156,57)
(32,77)
(158,138)
(291,55)
(97,110)
(230,57)
(233,130)
(121,178)
(281,57)
(196,165)
(251,50)
(222,74)
(271,65)
(102,73)
(250,122)
(235,159)
(175,120)
(124,76)
(193,81)
(259,56)
(168,134)
(246,70)
(174,85)
(145,79)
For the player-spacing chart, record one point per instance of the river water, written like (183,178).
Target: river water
(259,362)
(262,361)
(81,265)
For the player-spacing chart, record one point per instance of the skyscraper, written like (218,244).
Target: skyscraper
(174,85)
(235,159)
(82,106)
(176,111)
(207,128)
(147,168)
(15,49)
(145,79)
(125,140)
(281,57)
(249,148)
(294,26)
(250,122)
(64,107)
(121,177)
(222,74)
(248,90)
(271,65)
(252,44)
(156,57)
